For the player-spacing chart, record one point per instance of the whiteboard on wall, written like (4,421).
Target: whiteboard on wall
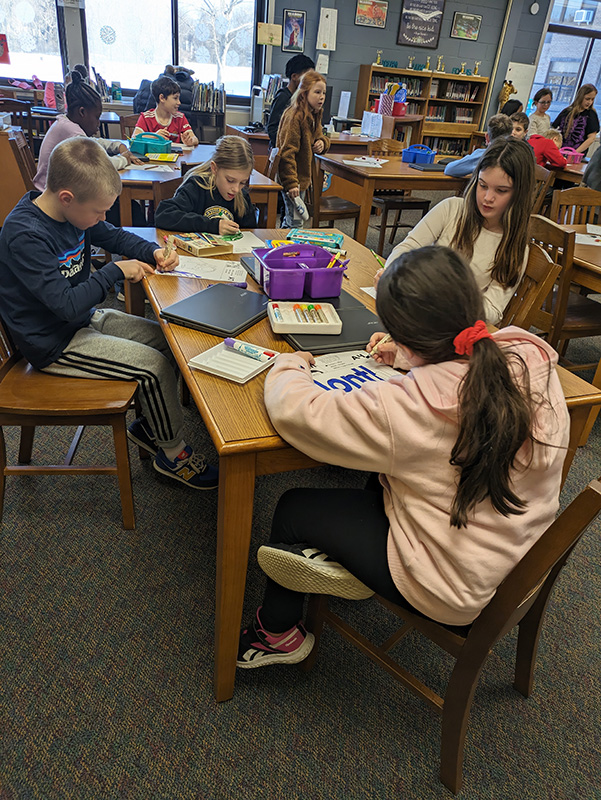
(522,77)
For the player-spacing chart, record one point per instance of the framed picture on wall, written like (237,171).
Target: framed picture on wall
(420,23)
(465,26)
(293,31)
(371,13)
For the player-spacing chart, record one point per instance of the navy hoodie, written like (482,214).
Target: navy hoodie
(48,292)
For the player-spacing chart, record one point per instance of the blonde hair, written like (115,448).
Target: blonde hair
(231,152)
(83,167)
(553,133)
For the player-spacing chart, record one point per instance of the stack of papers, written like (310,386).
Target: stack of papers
(591,237)
(366,161)
(209,269)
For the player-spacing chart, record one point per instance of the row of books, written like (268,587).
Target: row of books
(461,91)
(462,114)
(414,85)
(205,97)
(436,113)
(102,86)
(446,147)
(274,85)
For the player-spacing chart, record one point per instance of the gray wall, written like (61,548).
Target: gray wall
(357,44)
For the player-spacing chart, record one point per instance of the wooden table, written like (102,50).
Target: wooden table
(395,174)
(571,172)
(248,445)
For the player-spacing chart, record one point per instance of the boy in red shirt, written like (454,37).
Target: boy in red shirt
(546,149)
(165,119)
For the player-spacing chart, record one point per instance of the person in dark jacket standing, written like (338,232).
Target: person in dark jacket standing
(295,69)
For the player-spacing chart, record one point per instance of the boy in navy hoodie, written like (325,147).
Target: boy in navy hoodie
(49,296)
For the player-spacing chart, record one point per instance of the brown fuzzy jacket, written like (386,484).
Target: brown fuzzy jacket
(295,141)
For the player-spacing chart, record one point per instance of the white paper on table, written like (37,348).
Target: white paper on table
(357,162)
(349,371)
(596,229)
(209,269)
(247,242)
(370,290)
(154,167)
(589,239)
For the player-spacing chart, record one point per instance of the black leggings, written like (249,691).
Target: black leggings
(349,525)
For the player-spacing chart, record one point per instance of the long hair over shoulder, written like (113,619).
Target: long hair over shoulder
(425,298)
(576,107)
(231,152)
(299,106)
(517,162)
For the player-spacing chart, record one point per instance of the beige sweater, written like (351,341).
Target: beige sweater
(295,141)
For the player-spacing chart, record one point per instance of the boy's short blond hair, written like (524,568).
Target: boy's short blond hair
(554,134)
(81,165)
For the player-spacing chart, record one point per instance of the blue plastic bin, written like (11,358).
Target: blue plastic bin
(418,154)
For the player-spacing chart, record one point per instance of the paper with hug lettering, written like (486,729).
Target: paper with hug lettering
(349,371)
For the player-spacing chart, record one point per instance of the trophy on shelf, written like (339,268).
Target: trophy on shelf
(411,60)
(439,65)
(463,63)
(427,67)
(476,65)
(378,61)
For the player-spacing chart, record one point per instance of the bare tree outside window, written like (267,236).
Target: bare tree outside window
(31,30)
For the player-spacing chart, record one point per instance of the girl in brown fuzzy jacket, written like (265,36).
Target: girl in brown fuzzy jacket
(299,137)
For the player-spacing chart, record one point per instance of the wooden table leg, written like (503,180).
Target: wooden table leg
(317,192)
(592,416)
(272,209)
(235,510)
(365,213)
(125,207)
(134,298)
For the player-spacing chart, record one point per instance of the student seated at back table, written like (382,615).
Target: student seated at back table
(295,69)
(546,149)
(469,447)
(213,197)
(499,125)
(519,120)
(49,296)
(488,225)
(165,119)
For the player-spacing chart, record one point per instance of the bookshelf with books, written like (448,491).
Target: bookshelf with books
(451,104)
(207,116)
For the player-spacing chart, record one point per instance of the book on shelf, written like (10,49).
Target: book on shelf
(436,113)
(462,114)
(447,146)
(207,98)
(434,88)
(274,85)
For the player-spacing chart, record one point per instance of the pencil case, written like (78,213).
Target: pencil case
(303,271)
(571,155)
(149,143)
(418,154)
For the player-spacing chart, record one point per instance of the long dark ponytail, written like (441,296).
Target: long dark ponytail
(425,299)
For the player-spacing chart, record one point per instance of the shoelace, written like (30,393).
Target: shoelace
(197,462)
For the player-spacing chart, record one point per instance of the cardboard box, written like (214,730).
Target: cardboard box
(202,244)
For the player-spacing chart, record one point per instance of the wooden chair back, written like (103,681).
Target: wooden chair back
(537,282)
(23,156)
(273,162)
(14,177)
(559,244)
(20,111)
(576,206)
(385,147)
(9,355)
(543,180)
(127,124)
(520,599)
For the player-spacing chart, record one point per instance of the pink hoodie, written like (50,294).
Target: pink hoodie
(405,429)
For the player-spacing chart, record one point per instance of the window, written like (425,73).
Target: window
(216,40)
(31,29)
(129,40)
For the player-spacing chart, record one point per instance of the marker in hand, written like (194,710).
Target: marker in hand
(387,338)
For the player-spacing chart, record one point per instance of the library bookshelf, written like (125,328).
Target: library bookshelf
(451,105)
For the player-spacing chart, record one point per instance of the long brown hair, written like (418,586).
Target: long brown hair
(576,107)
(515,159)
(231,152)
(425,298)
(299,105)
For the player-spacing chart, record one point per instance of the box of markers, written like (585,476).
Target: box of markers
(304,318)
(202,244)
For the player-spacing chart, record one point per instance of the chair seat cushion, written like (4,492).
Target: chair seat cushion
(25,390)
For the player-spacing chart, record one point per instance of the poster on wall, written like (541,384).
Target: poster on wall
(466,26)
(293,39)
(371,13)
(420,23)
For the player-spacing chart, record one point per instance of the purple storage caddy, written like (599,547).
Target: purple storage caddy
(283,279)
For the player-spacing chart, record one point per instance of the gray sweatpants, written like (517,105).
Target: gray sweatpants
(116,345)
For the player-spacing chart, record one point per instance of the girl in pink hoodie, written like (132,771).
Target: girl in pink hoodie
(469,447)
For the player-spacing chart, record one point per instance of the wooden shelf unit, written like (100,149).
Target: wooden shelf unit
(451,104)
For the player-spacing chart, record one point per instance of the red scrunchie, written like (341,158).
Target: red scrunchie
(464,341)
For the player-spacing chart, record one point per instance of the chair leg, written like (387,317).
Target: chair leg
(395,226)
(318,604)
(124,473)
(26,443)
(529,630)
(455,718)
(2,474)
(382,231)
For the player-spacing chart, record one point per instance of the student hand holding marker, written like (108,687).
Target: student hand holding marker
(382,349)
(308,357)
(134,270)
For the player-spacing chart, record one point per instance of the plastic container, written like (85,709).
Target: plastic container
(149,143)
(418,154)
(284,279)
(399,109)
(571,155)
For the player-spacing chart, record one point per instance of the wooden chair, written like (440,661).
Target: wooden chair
(537,282)
(128,123)
(29,398)
(331,207)
(544,179)
(20,111)
(576,206)
(393,201)
(23,156)
(15,179)
(521,599)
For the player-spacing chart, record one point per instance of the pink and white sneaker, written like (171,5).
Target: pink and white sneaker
(258,648)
